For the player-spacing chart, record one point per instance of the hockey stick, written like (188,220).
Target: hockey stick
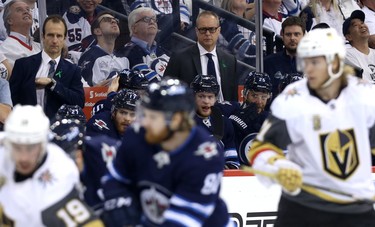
(308,186)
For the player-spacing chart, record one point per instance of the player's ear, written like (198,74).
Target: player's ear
(176,121)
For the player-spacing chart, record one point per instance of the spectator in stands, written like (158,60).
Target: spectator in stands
(163,11)
(18,22)
(280,63)
(275,12)
(208,116)
(114,122)
(34,12)
(143,52)
(237,39)
(359,53)
(99,60)
(46,78)
(5,101)
(332,12)
(204,58)
(368,7)
(79,18)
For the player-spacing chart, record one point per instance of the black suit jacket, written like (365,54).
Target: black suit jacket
(68,89)
(186,64)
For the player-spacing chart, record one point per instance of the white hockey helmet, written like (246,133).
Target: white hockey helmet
(322,42)
(27,125)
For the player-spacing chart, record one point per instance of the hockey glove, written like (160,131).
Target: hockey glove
(274,168)
(121,207)
(289,176)
(242,121)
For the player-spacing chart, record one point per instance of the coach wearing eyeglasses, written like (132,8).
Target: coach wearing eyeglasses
(143,52)
(205,58)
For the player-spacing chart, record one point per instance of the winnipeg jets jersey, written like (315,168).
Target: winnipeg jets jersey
(97,64)
(99,151)
(152,63)
(47,198)
(176,183)
(79,29)
(102,124)
(331,142)
(227,140)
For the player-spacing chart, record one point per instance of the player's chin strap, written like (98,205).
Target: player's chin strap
(333,76)
(308,187)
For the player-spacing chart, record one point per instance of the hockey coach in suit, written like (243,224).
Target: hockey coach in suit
(205,58)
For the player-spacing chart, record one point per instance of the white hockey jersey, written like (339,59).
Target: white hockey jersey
(48,198)
(331,141)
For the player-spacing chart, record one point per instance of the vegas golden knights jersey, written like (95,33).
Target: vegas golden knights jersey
(47,198)
(331,141)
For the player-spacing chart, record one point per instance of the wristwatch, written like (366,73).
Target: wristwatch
(52,84)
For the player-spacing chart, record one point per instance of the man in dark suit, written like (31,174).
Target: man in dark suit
(46,78)
(194,60)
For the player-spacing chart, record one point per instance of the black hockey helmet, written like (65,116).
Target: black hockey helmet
(205,83)
(126,99)
(132,79)
(68,134)
(256,81)
(169,95)
(71,112)
(289,78)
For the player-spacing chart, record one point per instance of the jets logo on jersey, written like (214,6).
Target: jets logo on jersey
(101,124)
(108,152)
(162,159)
(159,65)
(154,203)
(46,178)
(339,152)
(164,6)
(207,150)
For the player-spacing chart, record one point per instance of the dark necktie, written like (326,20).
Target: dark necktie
(51,70)
(210,65)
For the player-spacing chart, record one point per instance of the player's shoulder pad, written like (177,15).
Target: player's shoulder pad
(293,96)
(360,90)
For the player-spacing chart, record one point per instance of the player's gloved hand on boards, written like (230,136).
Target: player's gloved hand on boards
(289,176)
